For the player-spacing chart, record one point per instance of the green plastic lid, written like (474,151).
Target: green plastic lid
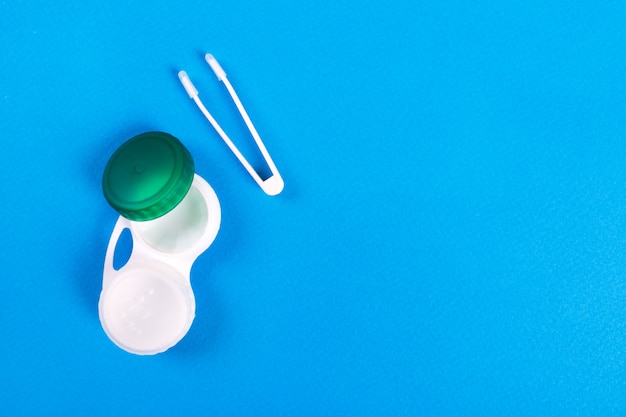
(148,176)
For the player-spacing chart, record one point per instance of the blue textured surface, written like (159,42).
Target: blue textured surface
(450,241)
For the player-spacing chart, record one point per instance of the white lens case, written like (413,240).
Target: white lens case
(147,306)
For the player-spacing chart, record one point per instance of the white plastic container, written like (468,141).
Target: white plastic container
(147,306)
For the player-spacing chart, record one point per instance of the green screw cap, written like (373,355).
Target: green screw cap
(148,176)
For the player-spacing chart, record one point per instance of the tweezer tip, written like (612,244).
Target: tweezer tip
(215,66)
(189,87)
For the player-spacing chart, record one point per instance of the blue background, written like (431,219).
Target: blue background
(452,235)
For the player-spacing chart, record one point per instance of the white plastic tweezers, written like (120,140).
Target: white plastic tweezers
(272,185)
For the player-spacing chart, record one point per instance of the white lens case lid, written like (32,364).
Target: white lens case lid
(147,309)
(147,306)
